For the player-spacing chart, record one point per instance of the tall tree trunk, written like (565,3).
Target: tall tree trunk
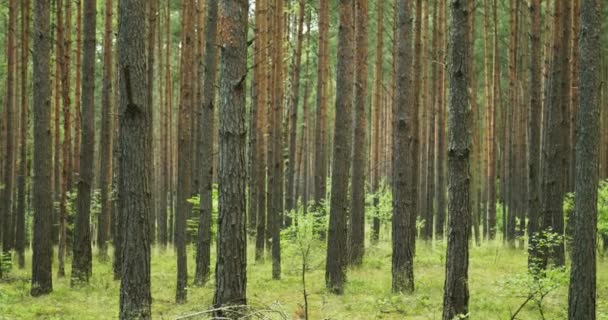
(552,149)
(534,124)
(134,187)
(105,176)
(164,201)
(320,163)
(290,196)
(231,275)
(356,232)
(493,133)
(456,294)
(42,282)
(77,90)
(426,210)
(152,13)
(261,56)
(335,269)
(405,156)
(23,147)
(276,182)
(203,253)
(82,263)
(582,291)
(184,148)
(63,58)
(440,186)
(489,114)
(376,114)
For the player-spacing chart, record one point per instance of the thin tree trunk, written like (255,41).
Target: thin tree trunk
(23,168)
(440,186)
(356,234)
(203,253)
(320,163)
(376,114)
(105,216)
(261,58)
(77,90)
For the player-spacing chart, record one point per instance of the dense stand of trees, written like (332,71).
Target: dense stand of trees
(318,111)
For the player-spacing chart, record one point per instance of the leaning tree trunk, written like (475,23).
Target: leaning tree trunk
(82,263)
(456,294)
(42,250)
(231,267)
(135,164)
(582,291)
(335,269)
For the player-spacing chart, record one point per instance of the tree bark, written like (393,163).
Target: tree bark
(231,267)
(7,202)
(440,185)
(184,148)
(405,156)
(82,260)
(134,187)
(320,163)
(582,290)
(376,163)
(335,269)
(456,294)
(203,253)
(23,173)
(356,232)
(42,282)
(105,176)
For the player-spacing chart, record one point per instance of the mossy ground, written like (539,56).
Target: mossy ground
(367,295)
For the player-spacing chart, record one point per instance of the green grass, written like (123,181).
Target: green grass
(367,295)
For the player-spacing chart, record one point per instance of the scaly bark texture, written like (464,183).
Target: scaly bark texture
(231,266)
(203,249)
(335,268)
(42,246)
(82,265)
(356,234)
(135,165)
(456,290)
(582,291)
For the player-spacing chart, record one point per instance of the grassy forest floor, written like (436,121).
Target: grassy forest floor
(498,286)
